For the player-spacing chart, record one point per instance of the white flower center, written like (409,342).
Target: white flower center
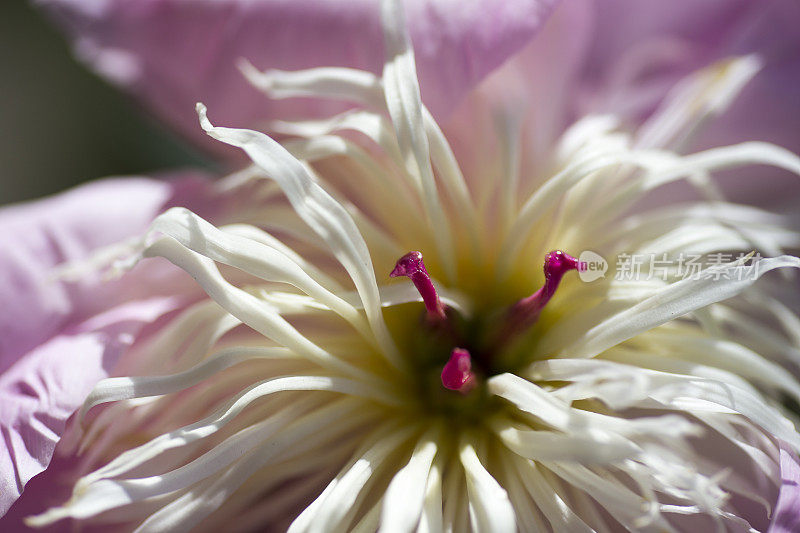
(590,417)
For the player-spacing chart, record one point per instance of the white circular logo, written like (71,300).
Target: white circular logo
(593,266)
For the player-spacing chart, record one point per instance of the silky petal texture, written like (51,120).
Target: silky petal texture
(58,338)
(787,510)
(624,57)
(482,496)
(690,35)
(173,53)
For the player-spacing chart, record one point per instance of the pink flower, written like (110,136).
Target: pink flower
(620,57)
(59,337)
(172,54)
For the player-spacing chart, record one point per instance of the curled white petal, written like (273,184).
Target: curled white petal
(320,211)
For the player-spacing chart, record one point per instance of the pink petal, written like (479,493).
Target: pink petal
(685,35)
(786,517)
(57,338)
(672,40)
(768,109)
(173,53)
(538,89)
(624,56)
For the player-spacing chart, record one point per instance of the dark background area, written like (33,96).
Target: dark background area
(60,125)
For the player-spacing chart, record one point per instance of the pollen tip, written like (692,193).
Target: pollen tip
(526,311)
(559,262)
(457,373)
(408,265)
(412,266)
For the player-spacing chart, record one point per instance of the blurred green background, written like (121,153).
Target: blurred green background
(59,124)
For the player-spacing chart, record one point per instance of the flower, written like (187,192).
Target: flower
(319,394)
(60,337)
(618,56)
(143,48)
(170,54)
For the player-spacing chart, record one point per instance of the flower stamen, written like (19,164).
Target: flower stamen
(457,373)
(412,266)
(526,311)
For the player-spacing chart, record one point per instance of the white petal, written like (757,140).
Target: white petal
(489,504)
(261,236)
(371,520)
(321,212)
(529,517)
(552,446)
(432,520)
(380,189)
(124,388)
(405,107)
(583,132)
(335,507)
(372,125)
(250,256)
(365,89)
(557,511)
(641,228)
(246,307)
(552,191)
(405,496)
(455,514)
(93,496)
(624,505)
(750,153)
(446,165)
(707,92)
(623,386)
(337,83)
(510,141)
(550,409)
(318,431)
(391,295)
(737,359)
(695,394)
(671,302)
